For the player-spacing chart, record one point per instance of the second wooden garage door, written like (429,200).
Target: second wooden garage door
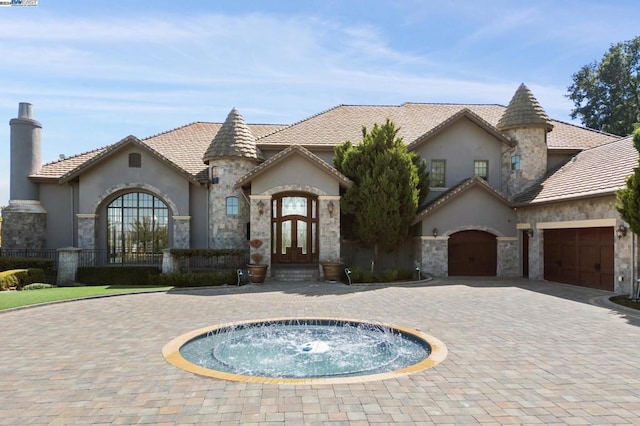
(581,256)
(472,253)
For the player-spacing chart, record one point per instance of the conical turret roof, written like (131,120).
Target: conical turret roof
(234,139)
(524,110)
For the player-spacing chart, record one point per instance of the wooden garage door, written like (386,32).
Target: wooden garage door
(581,256)
(472,253)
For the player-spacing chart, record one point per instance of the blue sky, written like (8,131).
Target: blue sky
(97,71)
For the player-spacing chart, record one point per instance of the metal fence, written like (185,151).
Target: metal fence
(51,254)
(90,257)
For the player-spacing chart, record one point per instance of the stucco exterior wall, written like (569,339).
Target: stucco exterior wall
(100,181)
(460,145)
(295,170)
(591,212)
(474,209)
(199,212)
(60,201)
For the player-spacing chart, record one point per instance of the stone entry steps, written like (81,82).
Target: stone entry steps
(296,272)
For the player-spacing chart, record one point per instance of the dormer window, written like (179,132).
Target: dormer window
(135,160)
(515,162)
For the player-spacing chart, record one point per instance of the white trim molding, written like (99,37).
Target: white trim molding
(586,223)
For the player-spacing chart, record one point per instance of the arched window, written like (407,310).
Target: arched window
(137,223)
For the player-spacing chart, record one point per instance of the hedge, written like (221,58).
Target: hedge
(9,263)
(19,278)
(118,275)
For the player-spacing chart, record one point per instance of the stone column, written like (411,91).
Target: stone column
(169,264)
(181,231)
(536,255)
(508,257)
(87,230)
(260,217)
(435,256)
(68,260)
(329,227)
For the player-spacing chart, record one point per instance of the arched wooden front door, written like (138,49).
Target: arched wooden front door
(294,228)
(473,253)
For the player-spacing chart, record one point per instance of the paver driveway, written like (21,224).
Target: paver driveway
(519,352)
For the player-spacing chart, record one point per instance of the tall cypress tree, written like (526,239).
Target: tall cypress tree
(389,183)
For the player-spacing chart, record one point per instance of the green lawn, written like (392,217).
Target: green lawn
(14,299)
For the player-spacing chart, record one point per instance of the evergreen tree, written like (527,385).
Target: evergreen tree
(389,183)
(628,199)
(606,95)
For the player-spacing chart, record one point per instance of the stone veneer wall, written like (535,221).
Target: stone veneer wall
(433,252)
(181,231)
(593,209)
(87,231)
(24,224)
(531,145)
(508,257)
(261,227)
(329,227)
(228,232)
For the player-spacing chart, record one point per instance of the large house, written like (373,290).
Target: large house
(513,192)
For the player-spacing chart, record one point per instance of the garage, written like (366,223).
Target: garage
(472,253)
(580,256)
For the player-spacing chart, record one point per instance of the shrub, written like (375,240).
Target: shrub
(191,279)
(47,265)
(19,278)
(118,275)
(37,286)
(392,275)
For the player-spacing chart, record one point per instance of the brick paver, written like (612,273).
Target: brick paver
(520,352)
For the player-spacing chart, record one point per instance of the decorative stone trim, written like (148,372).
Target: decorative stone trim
(523,226)
(133,186)
(87,216)
(428,237)
(181,217)
(25,206)
(294,188)
(586,223)
(328,197)
(260,197)
(473,228)
(507,238)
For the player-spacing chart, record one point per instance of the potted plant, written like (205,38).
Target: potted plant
(332,269)
(257,269)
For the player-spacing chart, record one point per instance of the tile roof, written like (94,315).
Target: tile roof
(344,122)
(454,192)
(523,110)
(593,172)
(291,150)
(184,146)
(234,139)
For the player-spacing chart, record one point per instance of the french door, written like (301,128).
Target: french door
(294,228)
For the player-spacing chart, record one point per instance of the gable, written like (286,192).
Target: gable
(460,144)
(294,166)
(476,207)
(115,172)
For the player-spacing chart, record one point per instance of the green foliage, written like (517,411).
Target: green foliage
(48,265)
(196,279)
(118,275)
(178,253)
(606,95)
(628,199)
(393,275)
(389,183)
(37,286)
(19,278)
